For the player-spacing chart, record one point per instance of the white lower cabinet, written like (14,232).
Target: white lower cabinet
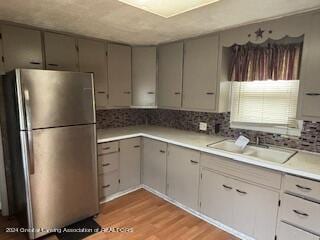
(154,164)
(247,208)
(288,232)
(183,175)
(130,163)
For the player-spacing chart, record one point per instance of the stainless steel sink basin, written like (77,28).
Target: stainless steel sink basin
(271,154)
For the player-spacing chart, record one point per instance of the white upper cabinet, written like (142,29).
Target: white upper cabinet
(22,48)
(119,75)
(92,58)
(170,62)
(200,73)
(144,76)
(309,96)
(183,175)
(61,52)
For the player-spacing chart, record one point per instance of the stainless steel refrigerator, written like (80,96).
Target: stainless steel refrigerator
(50,147)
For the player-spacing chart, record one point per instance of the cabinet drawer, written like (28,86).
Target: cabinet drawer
(303,187)
(241,170)
(300,212)
(108,147)
(109,184)
(288,232)
(108,162)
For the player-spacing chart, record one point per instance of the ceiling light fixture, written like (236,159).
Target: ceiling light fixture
(168,8)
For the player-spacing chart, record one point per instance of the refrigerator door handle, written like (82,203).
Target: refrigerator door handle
(29,131)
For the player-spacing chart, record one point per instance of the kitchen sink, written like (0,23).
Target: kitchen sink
(265,153)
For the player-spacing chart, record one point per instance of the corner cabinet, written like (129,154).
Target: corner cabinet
(170,62)
(61,52)
(154,164)
(309,96)
(200,73)
(183,175)
(92,58)
(144,76)
(22,48)
(119,75)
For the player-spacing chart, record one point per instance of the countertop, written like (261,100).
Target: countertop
(304,164)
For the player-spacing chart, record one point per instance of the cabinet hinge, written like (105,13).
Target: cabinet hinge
(200,204)
(279,203)
(107,96)
(275,237)
(119,180)
(77,48)
(0,35)
(2,59)
(119,149)
(200,175)
(106,53)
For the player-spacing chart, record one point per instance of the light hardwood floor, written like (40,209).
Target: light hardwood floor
(150,217)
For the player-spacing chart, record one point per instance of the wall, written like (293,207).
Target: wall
(189,120)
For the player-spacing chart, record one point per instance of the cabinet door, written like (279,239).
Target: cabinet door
(119,75)
(129,163)
(61,52)
(144,72)
(183,175)
(310,85)
(170,75)
(22,48)
(288,232)
(200,73)
(216,197)
(154,164)
(92,58)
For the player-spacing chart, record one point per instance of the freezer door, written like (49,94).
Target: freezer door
(63,185)
(54,98)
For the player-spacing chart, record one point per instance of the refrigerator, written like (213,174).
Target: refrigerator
(49,132)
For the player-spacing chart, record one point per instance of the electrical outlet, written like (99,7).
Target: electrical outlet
(203,126)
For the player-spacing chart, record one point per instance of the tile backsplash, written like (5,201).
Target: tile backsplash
(189,120)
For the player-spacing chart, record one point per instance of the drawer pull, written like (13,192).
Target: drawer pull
(313,94)
(106,186)
(162,151)
(300,213)
(105,164)
(209,93)
(127,92)
(242,192)
(136,146)
(106,148)
(53,65)
(35,63)
(227,187)
(303,188)
(150,92)
(177,93)
(193,162)
(101,92)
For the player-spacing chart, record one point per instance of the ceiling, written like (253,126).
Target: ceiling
(117,21)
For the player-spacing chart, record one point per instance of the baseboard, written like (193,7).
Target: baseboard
(185,208)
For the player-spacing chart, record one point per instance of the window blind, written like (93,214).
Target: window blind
(267,103)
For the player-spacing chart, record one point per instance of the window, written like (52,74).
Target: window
(266,106)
